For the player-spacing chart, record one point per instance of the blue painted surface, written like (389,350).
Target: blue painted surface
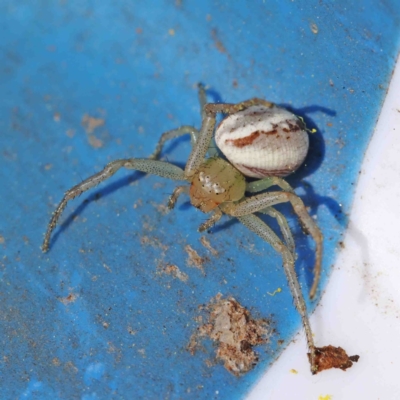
(124,329)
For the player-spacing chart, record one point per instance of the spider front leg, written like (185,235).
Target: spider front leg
(185,189)
(211,221)
(154,167)
(172,134)
(264,200)
(256,225)
(184,130)
(175,194)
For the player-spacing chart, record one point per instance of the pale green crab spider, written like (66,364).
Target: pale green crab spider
(259,140)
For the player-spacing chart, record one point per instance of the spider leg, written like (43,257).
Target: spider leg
(175,194)
(212,147)
(256,225)
(184,130)
(265,183)
(284,226)
(209,113)
(261,201)
(172,134)
(159,168)
(211,221)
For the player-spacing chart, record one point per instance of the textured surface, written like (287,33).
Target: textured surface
(96,317)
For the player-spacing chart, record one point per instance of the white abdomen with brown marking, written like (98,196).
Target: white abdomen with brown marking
(261,141)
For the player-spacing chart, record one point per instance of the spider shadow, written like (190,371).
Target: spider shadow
(313,161)
(316,151)
(99,193)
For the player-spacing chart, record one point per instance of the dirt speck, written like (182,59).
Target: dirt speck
(174,271)
(206,243)
(131,331)
(69,299)
(107,268)
(314,28)
(161,208)
(2,240)
(56,362)
(194,260)
(91,123)
(328,357)
(152,241)
(95,142)
(218,44)
(234,332)
(70,367)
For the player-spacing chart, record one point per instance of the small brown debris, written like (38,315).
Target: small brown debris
(56,362)
(2,240)
(328,357)
(218,44)
(69,299)
(91,123)
(174,271)
(132,331)
(235,332)
(95,142)
(70,367)
(194,260)
(206,243)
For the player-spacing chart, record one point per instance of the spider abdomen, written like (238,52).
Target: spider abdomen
(261,141)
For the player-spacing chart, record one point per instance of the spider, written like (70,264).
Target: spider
(259,140)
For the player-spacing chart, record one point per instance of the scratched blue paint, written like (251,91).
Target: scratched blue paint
(94,318)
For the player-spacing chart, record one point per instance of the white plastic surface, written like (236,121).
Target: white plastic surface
(360,309)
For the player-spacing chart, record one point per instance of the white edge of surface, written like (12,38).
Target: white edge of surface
(360,309)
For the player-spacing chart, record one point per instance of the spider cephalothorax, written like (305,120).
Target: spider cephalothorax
(260,140)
